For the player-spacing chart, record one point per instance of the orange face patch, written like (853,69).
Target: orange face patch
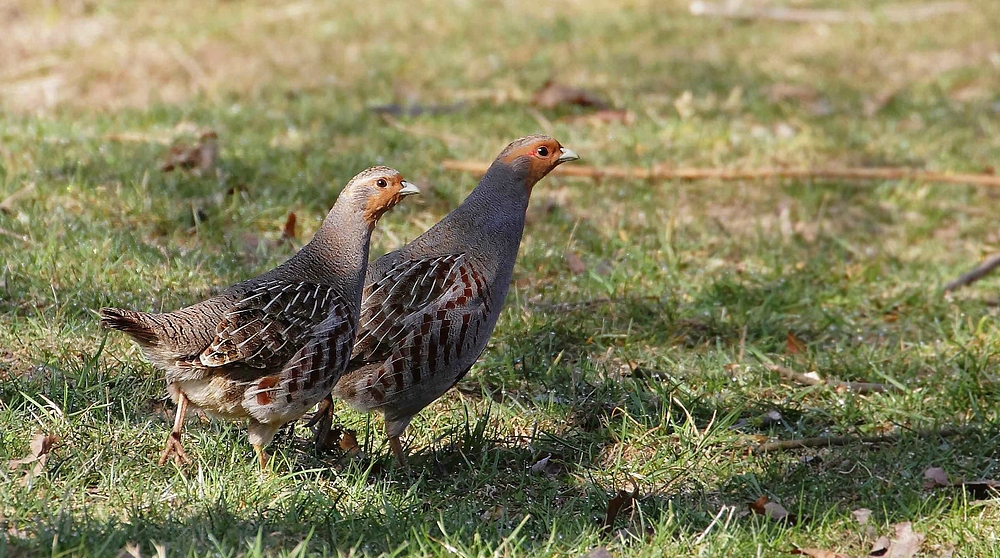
(542,156)
(383,200)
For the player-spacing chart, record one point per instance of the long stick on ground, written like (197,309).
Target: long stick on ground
(971,277)
(663,172)
(831,441)
(892,14)
(856,387)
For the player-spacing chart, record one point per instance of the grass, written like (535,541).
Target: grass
(660,390)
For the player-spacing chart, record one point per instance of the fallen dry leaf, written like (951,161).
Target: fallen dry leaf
(905,543)
(543,466)
(881,546)
(771,510)
(552,94)
(7,205)
(794,345)
(790,91)
(40,445)
(599,552)
(349,442)
(493,514)
(288,232)
(934,477)
(861,515)
(575,263)
(199,157)
(620,503)
(131,550)
(817,553)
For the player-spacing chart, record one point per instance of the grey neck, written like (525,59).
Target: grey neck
(337,253)
(491,218)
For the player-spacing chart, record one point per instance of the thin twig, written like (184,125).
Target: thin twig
(13,234)
(7,205)
(856,387)
(663,172)
(891,14)
(831,441)
(971,277)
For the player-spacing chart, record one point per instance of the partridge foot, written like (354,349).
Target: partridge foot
(262,457)
(174,449)
(397,450)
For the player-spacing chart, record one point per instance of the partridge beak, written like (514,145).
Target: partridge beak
(408,189)
(567,154)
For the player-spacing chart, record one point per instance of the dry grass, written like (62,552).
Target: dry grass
(130,54)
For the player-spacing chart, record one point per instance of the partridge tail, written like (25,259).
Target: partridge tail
(135,324)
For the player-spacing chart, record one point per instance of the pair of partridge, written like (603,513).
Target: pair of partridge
(429,308)
(270,348)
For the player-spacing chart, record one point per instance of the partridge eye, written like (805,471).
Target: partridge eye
(382,183)
(542,151)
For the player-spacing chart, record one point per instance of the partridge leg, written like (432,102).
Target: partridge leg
(261,434)
(323,421)
(173,446)
(397,450)
(262,456)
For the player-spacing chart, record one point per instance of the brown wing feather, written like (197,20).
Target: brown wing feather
(310,373)
(403,291)
(268,324)
(427,346)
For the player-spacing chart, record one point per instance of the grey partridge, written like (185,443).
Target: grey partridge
(429,308)
(270,348)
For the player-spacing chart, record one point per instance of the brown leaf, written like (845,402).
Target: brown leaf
(771,510)
(794,345)
(935,477)
(200,157)
(553,94)
(599,552)
(620,503)
(817,553)
(861,515)
(288,232)
(545,466)
(790,91)
(575,263)
(493,514)
(40,445)
(131,550)
(881,546)
(905,543)
(349,442)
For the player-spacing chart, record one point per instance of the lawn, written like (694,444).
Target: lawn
(634,363)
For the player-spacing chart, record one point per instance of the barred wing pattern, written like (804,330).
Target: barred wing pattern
(310,373)
(435,331)
(403,291)
(265,327)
